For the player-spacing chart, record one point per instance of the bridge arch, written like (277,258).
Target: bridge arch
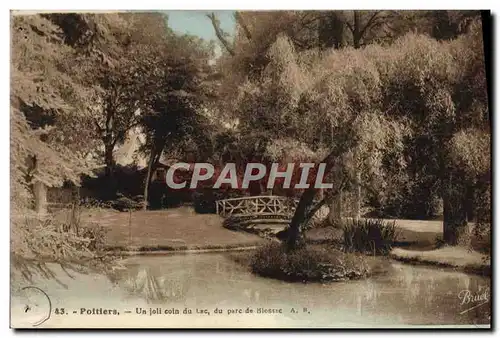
(252,210)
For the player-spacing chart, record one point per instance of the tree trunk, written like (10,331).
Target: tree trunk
(220,34)
(110,192)
(302,214)
(299,218)
(456,230)
(356,34)
(75,209)
(108,159)
(357,205)
(335,213)
(38,189)
(40,195)
(148,179)
(469,203)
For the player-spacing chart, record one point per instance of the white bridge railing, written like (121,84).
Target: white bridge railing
(258,206)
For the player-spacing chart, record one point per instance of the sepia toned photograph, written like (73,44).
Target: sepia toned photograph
(233,169)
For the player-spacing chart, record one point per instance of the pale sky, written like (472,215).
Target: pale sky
(197,23)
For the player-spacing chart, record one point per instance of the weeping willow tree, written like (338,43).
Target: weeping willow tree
(379,115)
(330,102)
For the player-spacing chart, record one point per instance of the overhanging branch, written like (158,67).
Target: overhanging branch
(219,33)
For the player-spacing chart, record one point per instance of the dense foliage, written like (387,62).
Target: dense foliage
(406,120)
(395,103)
(80,83)
(308,264)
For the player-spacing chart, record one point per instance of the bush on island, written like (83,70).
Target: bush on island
(307,264)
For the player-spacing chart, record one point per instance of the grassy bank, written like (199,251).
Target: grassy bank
(176,229)
(458,258)
(162,249)
(417,243)
(182,230)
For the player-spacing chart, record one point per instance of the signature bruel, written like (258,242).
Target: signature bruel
(473,299)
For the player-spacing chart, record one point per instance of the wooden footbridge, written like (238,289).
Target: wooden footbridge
(245,212)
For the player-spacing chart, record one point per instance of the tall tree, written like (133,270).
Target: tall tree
(292,99)
(123,53)
(48,103)
(179,93)
(449,114)
(50,116)
(129,79)
(308,31)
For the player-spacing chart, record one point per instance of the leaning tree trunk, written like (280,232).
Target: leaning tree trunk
(302,212)
(300,217)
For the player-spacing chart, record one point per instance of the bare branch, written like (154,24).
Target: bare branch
(98,126)
(220,33)
(241,22)
(122,133)
(348,24)
(369,23)
(305,23)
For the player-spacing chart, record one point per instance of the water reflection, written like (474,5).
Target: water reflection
(153,287)
(404,295)
(156,283)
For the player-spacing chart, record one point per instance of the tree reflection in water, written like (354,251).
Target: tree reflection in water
(404,294)
(153,284)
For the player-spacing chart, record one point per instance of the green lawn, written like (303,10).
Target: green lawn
(171,229)
(417,242)
(183,229)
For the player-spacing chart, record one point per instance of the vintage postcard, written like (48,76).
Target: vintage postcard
(250,169)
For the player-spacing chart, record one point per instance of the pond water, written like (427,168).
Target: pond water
(404,295)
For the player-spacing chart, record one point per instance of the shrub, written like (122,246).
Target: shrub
(123,203)
(95,236)
(307,264)
(35,242)
(481,238)
(94,203)
(369,235)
